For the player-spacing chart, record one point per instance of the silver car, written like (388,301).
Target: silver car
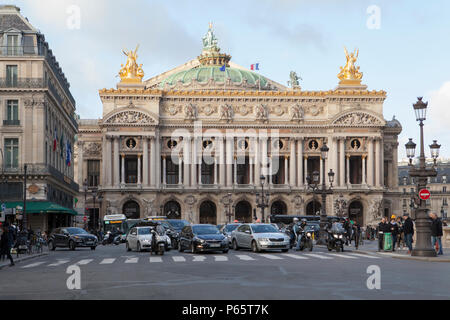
(140,238)
(258,237)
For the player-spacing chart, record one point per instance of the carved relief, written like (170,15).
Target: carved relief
(357,118)
(190,112)
(297,112)
(226,112)
(244,110)
(314,109)
(172,109)
(208,109)
(92,149)
(130,117)
(278,110)
(261,112)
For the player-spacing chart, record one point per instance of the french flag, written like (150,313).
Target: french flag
(54,140)
(254,66)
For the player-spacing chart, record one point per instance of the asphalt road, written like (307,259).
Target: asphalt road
(112,273)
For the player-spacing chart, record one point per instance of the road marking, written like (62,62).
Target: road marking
(33,265)
(178,259)
(60,262)
(108,261)
(272,257)
(85,261)
(244,257)
(340,255)
(132,260)
(295,256)
(220,258)
(155,259)
(364,255)
(317,256)
(199,258)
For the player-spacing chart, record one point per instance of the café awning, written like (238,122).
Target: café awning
(41,207)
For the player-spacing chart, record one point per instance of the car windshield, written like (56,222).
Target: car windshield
(143,231)
(76,231)
(178,224)
(199,230)
(264,228)
(230,227)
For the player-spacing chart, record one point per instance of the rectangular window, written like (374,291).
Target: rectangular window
(11,76)
(13,45)
(93,172)
(11,153)
(12,112)
(444,189)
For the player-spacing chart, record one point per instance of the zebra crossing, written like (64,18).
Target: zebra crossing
(250,257)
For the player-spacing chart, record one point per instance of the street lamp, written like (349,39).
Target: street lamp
(423,246)
(262,200)
(94,195)
(314,185)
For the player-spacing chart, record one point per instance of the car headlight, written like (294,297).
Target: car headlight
(336,236)
(263,239)
(309,234)
(76,237)
(199,240)
(340,236)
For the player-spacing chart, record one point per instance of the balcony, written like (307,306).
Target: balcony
(11,122)
(23,83)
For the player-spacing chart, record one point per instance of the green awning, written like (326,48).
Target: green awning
(41,207)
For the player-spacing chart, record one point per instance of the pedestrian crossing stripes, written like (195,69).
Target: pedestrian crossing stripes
(251,257)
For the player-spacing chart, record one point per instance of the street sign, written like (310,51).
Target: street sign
(424,194)
(84,218)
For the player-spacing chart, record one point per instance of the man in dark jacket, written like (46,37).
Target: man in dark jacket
(408,231)
(383,227)
(6,241)
(436,231)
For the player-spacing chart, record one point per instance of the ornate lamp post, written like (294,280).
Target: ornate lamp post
(323,191)
(262,200)
(423,246)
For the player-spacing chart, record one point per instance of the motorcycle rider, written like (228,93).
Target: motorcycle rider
(290,230)
(298,229)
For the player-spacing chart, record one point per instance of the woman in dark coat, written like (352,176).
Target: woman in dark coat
(6,242)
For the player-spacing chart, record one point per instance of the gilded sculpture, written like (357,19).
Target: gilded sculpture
(131,72)
(350,73)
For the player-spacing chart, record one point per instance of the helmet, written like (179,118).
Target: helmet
(304,220)
(393,216)
(295,219)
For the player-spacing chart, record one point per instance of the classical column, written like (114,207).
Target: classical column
(286,174)
(395,166)
(270,175)
(186,160)
(164,170)
(377,162)
(292,164)
(370,181)
(199,161)
(194,163)
(158,160)
(139,169)
(305,165)
(116,161)
(108,161)
(122,181)
(342,162)
(265,158)
(235,171)
(299,162)
(153,162)
(215,169)
(80,162)
(229,161)
(250,160)
(257,155)
(382,183)
(145,162)
(320,169)
(363,160)
(347,158)
(180,170)
(221,162)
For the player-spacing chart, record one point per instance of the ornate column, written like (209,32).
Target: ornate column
(370,181)
(347,158)
(257,155)
(382,183)
(221,162)
(122,181)
(363,161)
(229,161)
(321,170)
(342,162)
(250,160)
(186,160)
(215,169)
(139,169)
(286,172)
(199,161)
(270,175)
(145,162)
(108,161)
(116,173)
(180,170)
(395,166)
(300,162)
(158,160)
(378,162)
(305,165)
(235,171)
(292,164)
(80,162)
(164,171)
(265,158)
(194,163)
(153,162)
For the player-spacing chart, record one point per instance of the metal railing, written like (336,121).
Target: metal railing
(22,83)
(11,122)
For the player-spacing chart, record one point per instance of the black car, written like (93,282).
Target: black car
(201,238)
(177,224)
(71,238)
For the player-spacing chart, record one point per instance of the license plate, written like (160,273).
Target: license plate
(214,245)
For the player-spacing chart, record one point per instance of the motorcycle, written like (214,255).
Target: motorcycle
(306,238)
(335,239)
(111,238)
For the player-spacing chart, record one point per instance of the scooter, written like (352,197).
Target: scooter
(109,238)
(306,239)
(158,243)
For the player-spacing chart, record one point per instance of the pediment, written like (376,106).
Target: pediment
(130,118)
(358,119)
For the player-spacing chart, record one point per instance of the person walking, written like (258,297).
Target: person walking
(408,231)
(6,241)
(394,231)
(400,236)
(436,232)
(383,227)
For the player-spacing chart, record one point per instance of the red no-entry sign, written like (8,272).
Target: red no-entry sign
(424,194)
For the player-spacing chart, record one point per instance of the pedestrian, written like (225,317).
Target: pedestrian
(400,236)
(394,231)
(356,233)
(383,227)
(408,231)
(436,232)
(6,241)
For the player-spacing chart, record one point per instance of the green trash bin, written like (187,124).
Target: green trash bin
(388,242)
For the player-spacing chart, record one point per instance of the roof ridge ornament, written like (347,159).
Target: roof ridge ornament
(210,40)
(211,52)
(350,73)
(131,72)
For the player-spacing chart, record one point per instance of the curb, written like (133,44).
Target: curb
(406,257)
(24,259)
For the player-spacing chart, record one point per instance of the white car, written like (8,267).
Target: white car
(258,237)
(140,238)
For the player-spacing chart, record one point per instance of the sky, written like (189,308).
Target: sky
(403,46)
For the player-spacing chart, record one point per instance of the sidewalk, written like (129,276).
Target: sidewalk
(22,257)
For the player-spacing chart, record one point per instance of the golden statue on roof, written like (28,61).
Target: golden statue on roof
(350,73)
(131,72)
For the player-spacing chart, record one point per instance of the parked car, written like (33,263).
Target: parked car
(258,237)
(201,238)
(71,238)
(178,224)
(227,229)
(140,238)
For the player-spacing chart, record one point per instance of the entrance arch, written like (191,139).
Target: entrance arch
(355,212)
(172,210)
(208,212)
(278,207)
(131,210)
(313,208)
(243,212)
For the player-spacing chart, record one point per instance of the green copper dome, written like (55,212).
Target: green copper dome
(203,74)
